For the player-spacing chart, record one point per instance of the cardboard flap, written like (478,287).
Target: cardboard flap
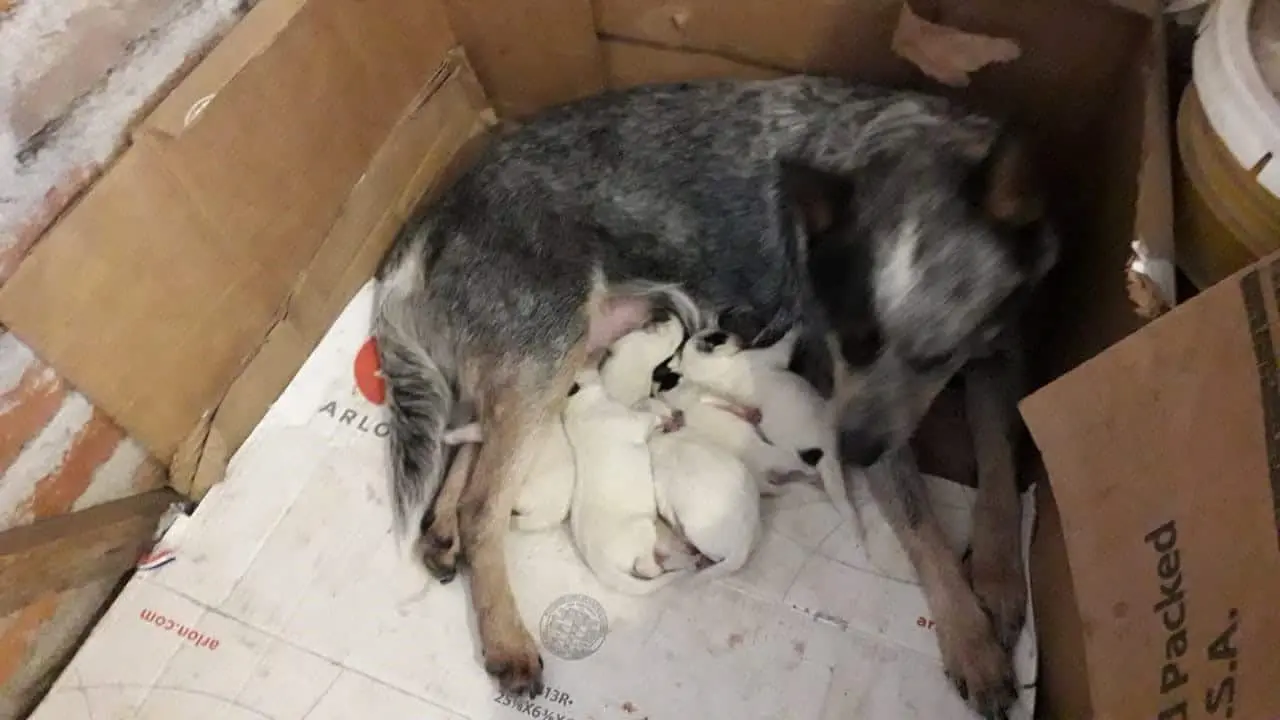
(446,124)
(219,220)
(1151,272)
(1164,458)
(247,39)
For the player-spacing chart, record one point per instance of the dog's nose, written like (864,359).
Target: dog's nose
(861,449)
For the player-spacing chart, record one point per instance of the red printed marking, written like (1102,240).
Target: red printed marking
(924,622)
(368,373)
(196,637)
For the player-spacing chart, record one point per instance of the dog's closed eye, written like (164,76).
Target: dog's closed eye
(928,363)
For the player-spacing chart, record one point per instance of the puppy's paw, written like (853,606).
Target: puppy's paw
(1002,592)
(978,665)
(515,664)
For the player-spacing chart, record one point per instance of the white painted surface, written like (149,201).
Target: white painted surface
(15,359)
(289,565)
(95,127)
(113,479)
(43,455)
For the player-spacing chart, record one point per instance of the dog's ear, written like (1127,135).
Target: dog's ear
(822,198)
(1006,184)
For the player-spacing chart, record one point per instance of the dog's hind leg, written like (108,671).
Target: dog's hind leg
(995,561)
(519,394)
(438,544)
(975,661)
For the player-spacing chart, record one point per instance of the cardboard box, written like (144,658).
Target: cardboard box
(1164,457)
(255,202)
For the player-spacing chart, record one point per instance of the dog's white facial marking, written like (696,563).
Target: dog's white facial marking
(898,275)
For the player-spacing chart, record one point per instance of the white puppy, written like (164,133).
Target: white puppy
(632,358)
(719,419)
(793,415)
(614,513)
(547,489)
(708,496)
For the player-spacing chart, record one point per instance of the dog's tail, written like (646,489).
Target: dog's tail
(420,393)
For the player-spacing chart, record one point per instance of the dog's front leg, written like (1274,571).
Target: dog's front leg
(995,561)
(975,661)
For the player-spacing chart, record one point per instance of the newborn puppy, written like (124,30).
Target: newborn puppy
(708,496)
(631,359)
(793,415)
(723,421)
(614,511)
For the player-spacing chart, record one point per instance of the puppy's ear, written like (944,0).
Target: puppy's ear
(822,198)
(1006,185)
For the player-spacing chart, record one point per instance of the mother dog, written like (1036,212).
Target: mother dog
(900,231)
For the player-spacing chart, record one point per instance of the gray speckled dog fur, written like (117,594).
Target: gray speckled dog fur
(903,232)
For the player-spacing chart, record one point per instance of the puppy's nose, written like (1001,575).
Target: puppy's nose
(860,448)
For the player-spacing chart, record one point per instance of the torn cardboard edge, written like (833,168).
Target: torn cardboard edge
(1150,276)
(200,461)
(946,54)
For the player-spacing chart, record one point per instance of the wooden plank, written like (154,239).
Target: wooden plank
(73,549)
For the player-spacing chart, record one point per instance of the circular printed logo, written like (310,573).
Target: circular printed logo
(368,373)
(574,627)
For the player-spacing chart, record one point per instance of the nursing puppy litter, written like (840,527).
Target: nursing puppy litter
(627,369)
(715,418)
(793,416)
(614,513)
(708,496)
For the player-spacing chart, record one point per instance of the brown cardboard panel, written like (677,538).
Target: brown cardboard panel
(219,216)
(1162,458)
(418,158)
(1153,225)
(530,54)
(1052,85)
(131,300)
(796,36)
(1063,682)
(256,159)
(628,64)
(242,43)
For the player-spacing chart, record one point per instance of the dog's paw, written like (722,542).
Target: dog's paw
(440,550)
(1002,592)
(516,666)
(979,667)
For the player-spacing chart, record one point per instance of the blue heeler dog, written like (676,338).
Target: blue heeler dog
(901,232)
